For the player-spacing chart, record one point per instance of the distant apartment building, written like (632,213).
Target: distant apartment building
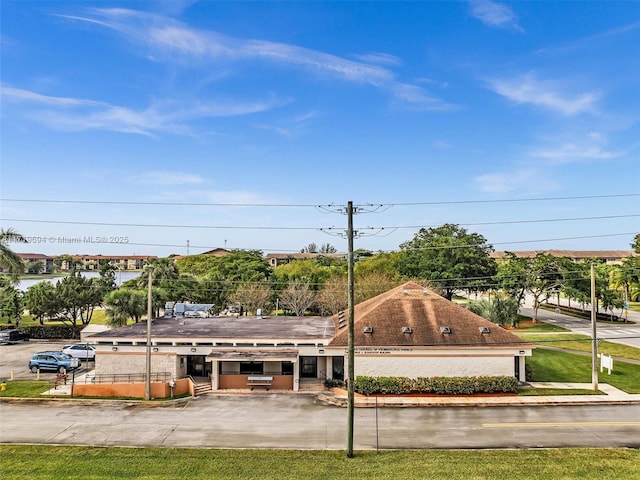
(276,259)
(92,262)
(613,257)
(37,262)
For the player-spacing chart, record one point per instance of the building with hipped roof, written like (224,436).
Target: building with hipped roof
(408,331)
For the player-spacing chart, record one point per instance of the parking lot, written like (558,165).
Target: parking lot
(15,358)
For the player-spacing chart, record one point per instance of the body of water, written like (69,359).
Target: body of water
(121,277)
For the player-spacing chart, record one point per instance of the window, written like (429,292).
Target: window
(249,368)
(287,368)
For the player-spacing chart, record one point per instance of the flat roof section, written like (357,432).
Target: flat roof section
(294,328)
(253,355)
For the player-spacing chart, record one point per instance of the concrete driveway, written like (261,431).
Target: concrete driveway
(15,358)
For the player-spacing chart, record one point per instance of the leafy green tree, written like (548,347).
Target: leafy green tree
(625,276)
(11,303)
(33,266)
(162,270)
(386,263)
(41,301)
(60,260)
(9,260)
(124,304)
(449,257)
(499,310)
(107,278)
(372,284)
(78,298)
(327,248)
(310,271)
(577,281)
(311,248)
(636,244)
(540,276)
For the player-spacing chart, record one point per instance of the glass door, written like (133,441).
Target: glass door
(308,367)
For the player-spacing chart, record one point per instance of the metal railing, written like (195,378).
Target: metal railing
(158,377)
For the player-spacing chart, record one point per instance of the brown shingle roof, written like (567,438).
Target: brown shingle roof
(425,312)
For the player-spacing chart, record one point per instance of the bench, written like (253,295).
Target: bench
(259,382)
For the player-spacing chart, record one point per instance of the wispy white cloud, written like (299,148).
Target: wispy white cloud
(494,14)
(379,58)
(20,95)
(521,181)
(285,132)
(590,40)
(73,114)
(591,148)
(172,41)
(527,89)
(167,178)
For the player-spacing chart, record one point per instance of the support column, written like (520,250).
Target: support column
(215,379)
(296,376)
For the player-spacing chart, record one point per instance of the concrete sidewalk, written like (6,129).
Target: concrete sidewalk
(609,395)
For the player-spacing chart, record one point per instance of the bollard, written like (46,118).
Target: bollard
(38,375)
(11,378)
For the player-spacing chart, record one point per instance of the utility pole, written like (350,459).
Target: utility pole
(594,339)
(350,353)
(147,381)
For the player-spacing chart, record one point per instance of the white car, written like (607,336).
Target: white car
(83,351)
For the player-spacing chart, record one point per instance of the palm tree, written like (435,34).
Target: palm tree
(9,260)
(162,269)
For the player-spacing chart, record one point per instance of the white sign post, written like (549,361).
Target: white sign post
(606,361)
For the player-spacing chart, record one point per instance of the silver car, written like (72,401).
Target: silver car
(83,351)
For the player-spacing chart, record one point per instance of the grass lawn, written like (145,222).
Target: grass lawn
(558,366)
(25,389)
(582,343)
(527,325)
(86,463)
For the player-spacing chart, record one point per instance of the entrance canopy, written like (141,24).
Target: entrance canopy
(253,355)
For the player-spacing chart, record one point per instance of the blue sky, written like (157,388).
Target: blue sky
(517,120)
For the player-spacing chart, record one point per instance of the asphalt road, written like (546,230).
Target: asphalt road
(301,422)
(617,332)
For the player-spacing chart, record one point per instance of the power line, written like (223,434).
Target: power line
(314,205)
(276,250)
(327,229)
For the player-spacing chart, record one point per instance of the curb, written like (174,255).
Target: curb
(96,402)
(369,402)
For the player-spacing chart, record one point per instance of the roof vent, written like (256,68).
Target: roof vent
(425,291)
(367,329)
(485,330)
(341,321)
(406,330)
(405,292)
(445,330)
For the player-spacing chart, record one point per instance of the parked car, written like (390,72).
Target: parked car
(83,351)
(13,335)
(57,361)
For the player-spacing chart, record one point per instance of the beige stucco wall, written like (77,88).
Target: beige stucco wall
(109,363)
(431,366)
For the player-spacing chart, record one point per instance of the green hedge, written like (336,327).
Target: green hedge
(52,332)
(435,385)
